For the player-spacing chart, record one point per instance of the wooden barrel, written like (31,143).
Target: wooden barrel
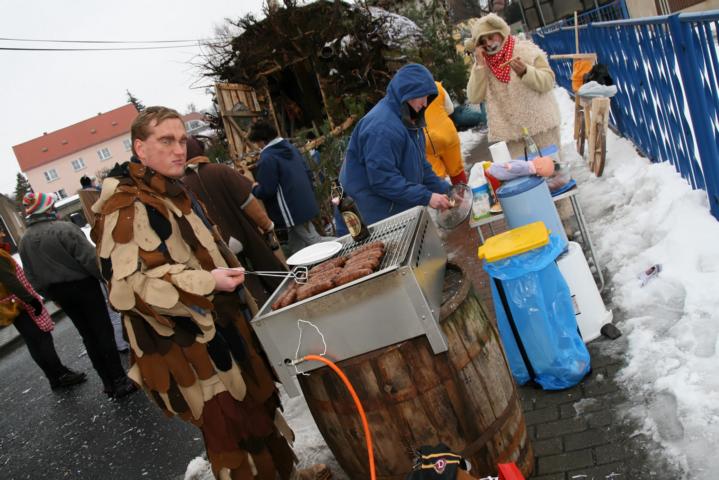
(465,397)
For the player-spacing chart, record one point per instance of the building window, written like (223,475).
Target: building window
(78,164)
(51,175)
(104,153)
(61,193)
(193,124)
(128,144)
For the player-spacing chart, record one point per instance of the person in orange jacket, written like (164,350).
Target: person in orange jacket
(442,140)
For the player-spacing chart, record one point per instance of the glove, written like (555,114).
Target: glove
(461,177)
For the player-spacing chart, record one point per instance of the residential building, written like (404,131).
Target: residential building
(196,124)
(55,161)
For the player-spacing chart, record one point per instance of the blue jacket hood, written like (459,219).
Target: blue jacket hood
(385,169)
(411,81)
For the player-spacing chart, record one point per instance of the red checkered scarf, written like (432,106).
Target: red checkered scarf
(43,321)
(495,61)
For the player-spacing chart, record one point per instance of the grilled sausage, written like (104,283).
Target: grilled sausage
(370,256)
(333,263)
(312,289)
(370,246)
(370,263)
(328,274)
(284,299)
(351,274)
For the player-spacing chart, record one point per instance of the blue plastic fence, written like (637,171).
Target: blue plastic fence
(616,10)
(667,72)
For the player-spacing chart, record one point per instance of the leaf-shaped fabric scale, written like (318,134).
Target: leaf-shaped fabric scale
(122,297)
(124,260)
(107,243)
(109,185)
(199,282)
(144,235)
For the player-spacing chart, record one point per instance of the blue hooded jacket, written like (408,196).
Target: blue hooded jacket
(285,185)
(385,169)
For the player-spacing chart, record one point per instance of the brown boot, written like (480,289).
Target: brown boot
(318,471)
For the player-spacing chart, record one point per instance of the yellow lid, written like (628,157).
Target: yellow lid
(515,241)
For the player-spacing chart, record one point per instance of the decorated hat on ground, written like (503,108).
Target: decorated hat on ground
(38,202)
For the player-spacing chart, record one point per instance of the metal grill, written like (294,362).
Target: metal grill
(401,300)
(396,233)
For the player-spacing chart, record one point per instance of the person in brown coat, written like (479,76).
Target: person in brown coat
(243,223)
(185,312)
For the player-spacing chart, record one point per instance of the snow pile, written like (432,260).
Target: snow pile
(468,140)
(400,31)
(641,214)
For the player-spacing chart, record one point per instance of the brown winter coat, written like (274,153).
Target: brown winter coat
(227,196)
(192,348)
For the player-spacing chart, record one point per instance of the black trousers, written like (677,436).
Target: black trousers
(83,302)
(41,347)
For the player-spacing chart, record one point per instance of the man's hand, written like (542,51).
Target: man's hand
(439,201)
(228,279)
(519,67)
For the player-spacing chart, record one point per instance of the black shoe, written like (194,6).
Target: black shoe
(68,379)
(121,387)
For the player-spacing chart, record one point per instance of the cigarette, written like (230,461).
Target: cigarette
(508,61)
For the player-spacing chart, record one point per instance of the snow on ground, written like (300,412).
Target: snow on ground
(639,214)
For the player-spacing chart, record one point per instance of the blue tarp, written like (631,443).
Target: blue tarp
(541,307)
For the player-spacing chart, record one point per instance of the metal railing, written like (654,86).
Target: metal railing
(666,69)
(616,10)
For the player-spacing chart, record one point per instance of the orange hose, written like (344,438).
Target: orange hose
(358,404)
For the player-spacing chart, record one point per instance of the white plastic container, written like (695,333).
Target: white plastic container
(588,305)
(500,153)
(480,192)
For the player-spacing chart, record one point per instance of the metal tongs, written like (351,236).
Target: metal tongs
(298,274)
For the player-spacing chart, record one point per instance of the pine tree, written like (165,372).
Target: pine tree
(135,101)
(22,186)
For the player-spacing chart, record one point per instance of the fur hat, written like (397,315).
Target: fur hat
(490,23)
(38,202)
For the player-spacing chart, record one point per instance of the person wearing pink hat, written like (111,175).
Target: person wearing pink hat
(61,264)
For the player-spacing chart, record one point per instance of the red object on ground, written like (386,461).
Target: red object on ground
(509,471)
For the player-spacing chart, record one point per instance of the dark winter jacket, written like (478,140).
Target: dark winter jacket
(285,185)
(54,251)
(225,193)
(385,169)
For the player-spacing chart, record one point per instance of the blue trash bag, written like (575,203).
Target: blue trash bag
(541,306)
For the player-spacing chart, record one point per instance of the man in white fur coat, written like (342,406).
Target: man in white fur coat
(514,79)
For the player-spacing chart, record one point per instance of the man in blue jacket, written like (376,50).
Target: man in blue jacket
(284,183)
(385,169)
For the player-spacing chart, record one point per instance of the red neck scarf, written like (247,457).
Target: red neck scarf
(495,61)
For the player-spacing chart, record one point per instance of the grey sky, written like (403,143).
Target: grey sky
(46,91)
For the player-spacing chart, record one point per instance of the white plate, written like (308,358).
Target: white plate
(314,253)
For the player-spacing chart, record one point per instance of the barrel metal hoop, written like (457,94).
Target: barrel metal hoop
(493,428)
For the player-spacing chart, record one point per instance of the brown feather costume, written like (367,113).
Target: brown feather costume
(193,350)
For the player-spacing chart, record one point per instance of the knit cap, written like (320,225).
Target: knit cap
(38,202)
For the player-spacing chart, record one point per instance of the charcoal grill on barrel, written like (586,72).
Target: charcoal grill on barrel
(401,300)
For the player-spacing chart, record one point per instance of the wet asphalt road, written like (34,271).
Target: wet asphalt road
(79,433)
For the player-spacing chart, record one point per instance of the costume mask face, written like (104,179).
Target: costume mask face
(491,43)
(165,149)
